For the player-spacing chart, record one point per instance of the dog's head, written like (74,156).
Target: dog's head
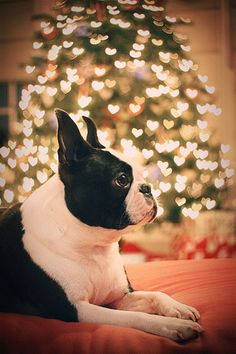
(101,188)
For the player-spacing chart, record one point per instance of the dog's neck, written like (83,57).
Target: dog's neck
(46,218)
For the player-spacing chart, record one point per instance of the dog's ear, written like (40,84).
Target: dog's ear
(72,145)
(92,137)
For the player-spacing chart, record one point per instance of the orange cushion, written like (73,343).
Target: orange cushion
(209,285)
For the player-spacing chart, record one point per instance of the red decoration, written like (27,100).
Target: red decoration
(49,32)
(131,248)
(188,247)
(101,11)
(112,117)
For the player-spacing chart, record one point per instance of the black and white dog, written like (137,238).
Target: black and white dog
(59,254)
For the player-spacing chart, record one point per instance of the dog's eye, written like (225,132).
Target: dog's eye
(122,181)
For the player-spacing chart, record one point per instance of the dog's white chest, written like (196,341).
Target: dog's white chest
(97,278)
(106,279)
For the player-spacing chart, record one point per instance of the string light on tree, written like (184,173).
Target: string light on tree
(126,66)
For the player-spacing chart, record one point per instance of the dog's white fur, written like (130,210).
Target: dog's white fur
(85,261)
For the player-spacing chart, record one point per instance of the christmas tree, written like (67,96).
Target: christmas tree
(124,64)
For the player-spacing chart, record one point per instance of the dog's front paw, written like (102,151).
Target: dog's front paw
(172,308)
(174,328)
(182,330)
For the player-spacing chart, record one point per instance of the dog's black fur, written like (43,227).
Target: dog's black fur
(86,170)
(60,247)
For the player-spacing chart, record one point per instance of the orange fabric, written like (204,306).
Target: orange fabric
(209,285)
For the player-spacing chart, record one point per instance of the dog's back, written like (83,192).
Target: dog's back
(26,288)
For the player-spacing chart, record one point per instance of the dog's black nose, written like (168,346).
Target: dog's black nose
(145,189)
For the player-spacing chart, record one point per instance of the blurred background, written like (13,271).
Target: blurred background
(199,223)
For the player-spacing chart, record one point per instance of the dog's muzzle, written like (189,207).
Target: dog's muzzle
(146,190)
